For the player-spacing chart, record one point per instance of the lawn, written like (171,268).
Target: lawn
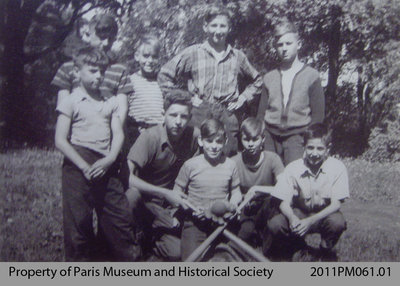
(31,216)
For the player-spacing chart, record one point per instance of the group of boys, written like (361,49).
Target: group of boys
(151,159)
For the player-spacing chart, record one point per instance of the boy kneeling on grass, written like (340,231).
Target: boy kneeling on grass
(89,134)
(206,178)
(311,190)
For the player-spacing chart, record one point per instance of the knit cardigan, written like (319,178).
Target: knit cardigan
(306,104)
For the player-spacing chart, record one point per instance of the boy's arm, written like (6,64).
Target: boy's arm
(286,209)
(61,141)
(236,196)
(122,100)
(317,102)
(252,89)
(177,68)
(262,106)
(100,167)
(149,189)
(305,224)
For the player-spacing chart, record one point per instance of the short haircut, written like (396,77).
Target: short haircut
(177,96)
(318,130)
(212,127)
(150,40)
(252,127)
(283,27)
(90,56)
(104,25)
(215,11)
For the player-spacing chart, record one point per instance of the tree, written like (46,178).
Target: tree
(56,20)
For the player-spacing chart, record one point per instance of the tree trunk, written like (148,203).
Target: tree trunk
(14,103)
(334,48)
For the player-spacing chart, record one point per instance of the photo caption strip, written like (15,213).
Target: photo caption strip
(198,273)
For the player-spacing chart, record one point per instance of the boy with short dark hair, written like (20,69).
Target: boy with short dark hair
(292,97)
(311,191)
(89,134)
(206,178)
(258,170)
(154,162)
(101,35)
(211,72)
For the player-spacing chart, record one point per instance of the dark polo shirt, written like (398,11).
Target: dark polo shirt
(157,159)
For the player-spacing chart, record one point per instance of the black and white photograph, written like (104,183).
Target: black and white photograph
(200,131)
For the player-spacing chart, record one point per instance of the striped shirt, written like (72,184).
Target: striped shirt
(146,102)
(213,80)
(205,183)
(114,82)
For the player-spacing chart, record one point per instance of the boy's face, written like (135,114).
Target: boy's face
(287,47)
(90,76)
(177,117)
(315,152)
(252,144)
(147,58)
(212,146)
(217,30)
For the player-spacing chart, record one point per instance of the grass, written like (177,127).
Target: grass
(31,214)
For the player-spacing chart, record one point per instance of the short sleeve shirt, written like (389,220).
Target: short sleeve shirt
(311,192)
(206,183)
(114,82)
(146,102)
(265,174)
(157,159)
(90,120)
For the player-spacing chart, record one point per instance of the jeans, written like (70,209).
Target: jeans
(106,196)
(283,240)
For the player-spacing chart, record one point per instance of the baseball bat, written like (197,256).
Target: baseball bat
(244,246)
(206,243)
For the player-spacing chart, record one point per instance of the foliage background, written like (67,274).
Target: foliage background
(355,44)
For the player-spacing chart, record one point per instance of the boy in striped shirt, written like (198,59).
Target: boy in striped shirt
(102,33)
(145,103)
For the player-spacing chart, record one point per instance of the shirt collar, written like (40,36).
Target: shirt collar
(164,137)
(206,46)
(306,171)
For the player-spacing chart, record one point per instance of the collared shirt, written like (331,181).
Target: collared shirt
(211,79)
(114,82)
(206,183)
(90,119)
(158,160)
(312,192)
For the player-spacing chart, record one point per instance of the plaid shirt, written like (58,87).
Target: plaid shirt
(211,79)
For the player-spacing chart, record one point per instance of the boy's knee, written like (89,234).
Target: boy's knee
(336,223)
(277,225)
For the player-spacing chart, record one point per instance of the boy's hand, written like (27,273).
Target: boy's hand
(303,226)
(176,199)
(100,167)
(237,104)
(294,223)
(86,173)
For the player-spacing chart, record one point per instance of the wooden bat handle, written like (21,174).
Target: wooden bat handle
(204,245)
(245,247)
